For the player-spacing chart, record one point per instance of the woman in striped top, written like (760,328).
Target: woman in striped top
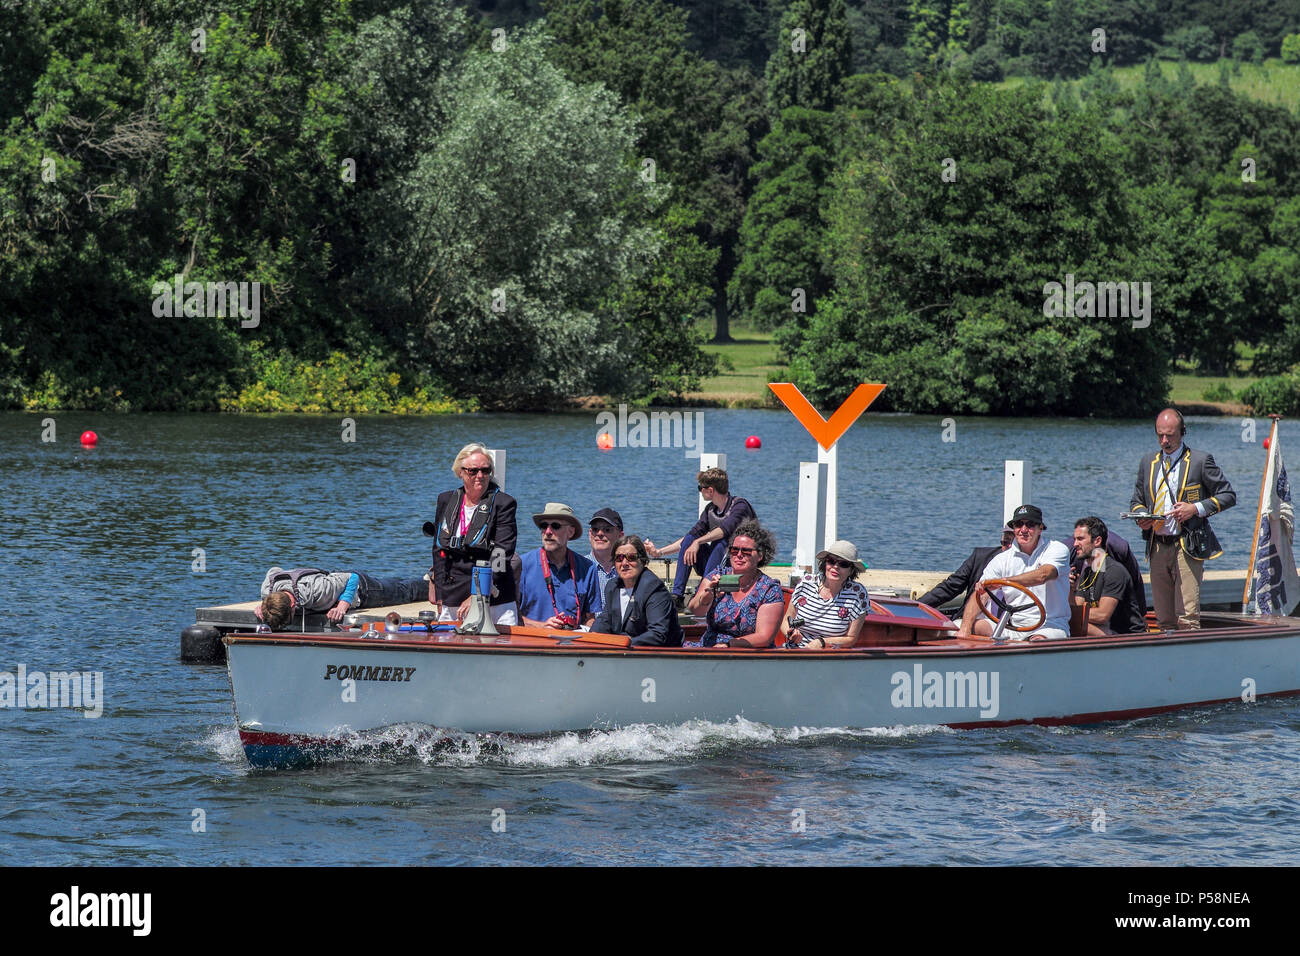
(828,610)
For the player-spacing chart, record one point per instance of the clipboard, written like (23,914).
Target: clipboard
(1142,515)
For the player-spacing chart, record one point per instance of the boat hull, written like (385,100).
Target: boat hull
(296,695)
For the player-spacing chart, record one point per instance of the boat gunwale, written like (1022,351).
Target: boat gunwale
(1247,629)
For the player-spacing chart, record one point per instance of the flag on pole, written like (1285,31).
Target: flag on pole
(1276,583)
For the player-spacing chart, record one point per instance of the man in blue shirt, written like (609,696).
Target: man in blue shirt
(603,531)
(558,587)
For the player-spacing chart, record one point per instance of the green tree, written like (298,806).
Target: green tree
(523,217)
(1195,41)
(699,122)
(1063,48)
(1247,48)
(783,231)
(812,58)
(1291,48)
(941,283)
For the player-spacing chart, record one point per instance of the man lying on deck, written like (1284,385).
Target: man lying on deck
(334,592)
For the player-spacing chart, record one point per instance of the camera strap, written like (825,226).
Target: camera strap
(573,576)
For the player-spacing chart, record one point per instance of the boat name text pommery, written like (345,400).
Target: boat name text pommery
(359,672)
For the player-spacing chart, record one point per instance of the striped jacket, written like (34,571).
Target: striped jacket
(1200,480)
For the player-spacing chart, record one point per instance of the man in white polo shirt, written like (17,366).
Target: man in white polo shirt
(1036,563)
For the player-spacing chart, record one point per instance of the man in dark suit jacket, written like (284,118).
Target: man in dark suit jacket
(964,578)
(1184,487)
(651,617)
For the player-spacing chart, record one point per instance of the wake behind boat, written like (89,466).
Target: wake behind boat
(302,696)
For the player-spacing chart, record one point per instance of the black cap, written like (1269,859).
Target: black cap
(1026,513)
(610,516)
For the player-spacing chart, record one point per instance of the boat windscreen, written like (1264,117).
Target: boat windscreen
(907,610)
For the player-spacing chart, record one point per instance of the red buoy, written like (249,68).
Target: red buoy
(753,441)
(604,441)
(89,439)
(1267,442)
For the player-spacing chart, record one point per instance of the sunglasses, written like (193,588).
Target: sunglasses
(604,529)
(838,563)
(626,558)
(552,525)
(1024,524)
(477,471)
(745,552)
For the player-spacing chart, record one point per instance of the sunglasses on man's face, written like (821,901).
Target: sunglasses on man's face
(1024,524)
(632,558)
(552,525)
(604,529)
(477,471)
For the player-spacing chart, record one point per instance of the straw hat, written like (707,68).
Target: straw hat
(846,550)
(555,511)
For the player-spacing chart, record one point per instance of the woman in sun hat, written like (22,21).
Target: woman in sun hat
(829,608)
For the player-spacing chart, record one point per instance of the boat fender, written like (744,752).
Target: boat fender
(201,644)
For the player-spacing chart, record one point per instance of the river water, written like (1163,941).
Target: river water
(98,575)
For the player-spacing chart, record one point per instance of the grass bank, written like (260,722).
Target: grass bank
(752,360)
(1269,82)
(748,363)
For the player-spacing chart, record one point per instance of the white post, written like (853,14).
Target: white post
(831,460)
(498,456)
(707,462)
(811,535)
(1015,487)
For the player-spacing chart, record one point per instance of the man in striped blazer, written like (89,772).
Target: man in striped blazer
(1183,487)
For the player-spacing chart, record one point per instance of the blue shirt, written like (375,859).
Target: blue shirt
(605,576)
(535,598)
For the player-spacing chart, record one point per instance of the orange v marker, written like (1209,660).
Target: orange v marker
(827,433)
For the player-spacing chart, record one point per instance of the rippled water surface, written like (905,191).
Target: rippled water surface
(97,576)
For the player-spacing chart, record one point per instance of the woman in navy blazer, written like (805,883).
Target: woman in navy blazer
(650,618)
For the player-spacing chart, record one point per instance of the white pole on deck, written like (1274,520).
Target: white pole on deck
(1015,487)
(498,456)
(831,460)
(707,462)
(811,536)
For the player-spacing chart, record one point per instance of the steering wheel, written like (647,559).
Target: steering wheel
(1001,583)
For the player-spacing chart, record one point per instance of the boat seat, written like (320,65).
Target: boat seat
(1078,620)
(779,640)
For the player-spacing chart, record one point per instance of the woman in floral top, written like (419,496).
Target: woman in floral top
(752,615)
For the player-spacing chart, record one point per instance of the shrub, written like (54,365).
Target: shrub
(1248,48)
(366,383)
(1219,392)
(1275,395)
(1196,42)
(986,63)
(1018,66)
(1291,48)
